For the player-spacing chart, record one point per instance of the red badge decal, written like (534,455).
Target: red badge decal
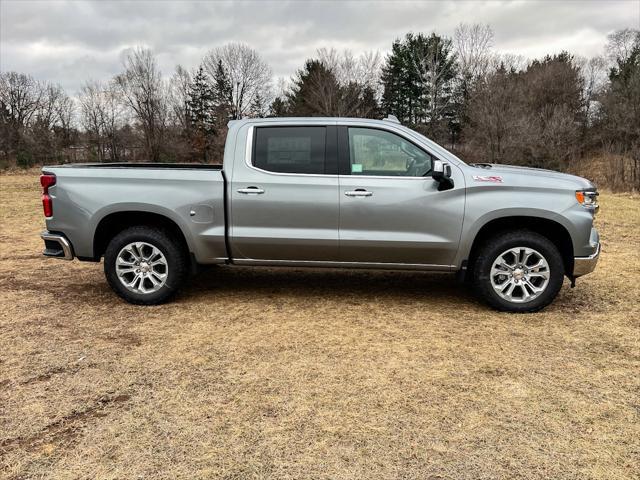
(481,178)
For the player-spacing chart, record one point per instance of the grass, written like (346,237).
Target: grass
(286,373)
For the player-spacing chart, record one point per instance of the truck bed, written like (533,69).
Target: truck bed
(192,196)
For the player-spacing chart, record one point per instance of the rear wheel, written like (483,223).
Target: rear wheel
(145,265)
(518,271)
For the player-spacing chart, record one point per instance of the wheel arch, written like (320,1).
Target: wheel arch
(113,223)
(551,229)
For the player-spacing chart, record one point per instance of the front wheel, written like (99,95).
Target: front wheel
(518,271)
(145,265)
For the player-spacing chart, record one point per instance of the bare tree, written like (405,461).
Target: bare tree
(102,116)
(341,64)
(65,110)
(35,118)
(363,70)
(282,87)
(20,97)
(594,74)
(51,99)
(531,116)
(496,121)
(620,43)
(144,92)
(91,115)
(620,113)
(473,45)
(330,58)
(249,74)
(508,61)
(63,117)
(370,66)
(178,95)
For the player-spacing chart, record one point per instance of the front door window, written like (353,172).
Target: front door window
(381,153)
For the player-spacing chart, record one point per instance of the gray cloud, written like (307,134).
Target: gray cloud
(70,41)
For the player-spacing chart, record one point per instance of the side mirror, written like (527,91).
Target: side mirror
(441,173)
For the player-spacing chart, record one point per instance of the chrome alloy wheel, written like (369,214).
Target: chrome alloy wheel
(141,267)
(520,274)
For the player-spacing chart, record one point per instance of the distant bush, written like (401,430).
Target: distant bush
(24,159)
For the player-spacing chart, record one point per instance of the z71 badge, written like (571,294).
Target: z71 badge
(482,178)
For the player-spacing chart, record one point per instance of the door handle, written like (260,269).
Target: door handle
(251,190)
(358,193)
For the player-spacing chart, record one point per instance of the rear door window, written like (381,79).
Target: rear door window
(299,150)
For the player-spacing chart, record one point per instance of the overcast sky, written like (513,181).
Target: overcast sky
(68,42)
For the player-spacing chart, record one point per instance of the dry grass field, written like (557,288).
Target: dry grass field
(285,373)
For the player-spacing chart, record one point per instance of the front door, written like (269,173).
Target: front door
(390,208)
(284,195)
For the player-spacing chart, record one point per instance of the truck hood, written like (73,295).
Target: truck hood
(534,176)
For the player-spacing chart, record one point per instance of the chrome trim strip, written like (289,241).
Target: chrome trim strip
(62,241)
(585,265)
(400,133)
(331,264)
(392,177)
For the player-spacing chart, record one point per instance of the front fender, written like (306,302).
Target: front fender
(472,227)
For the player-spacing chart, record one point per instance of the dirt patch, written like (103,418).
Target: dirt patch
(45,376)
(65,428)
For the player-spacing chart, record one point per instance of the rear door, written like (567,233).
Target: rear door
(390,208)
(284,195)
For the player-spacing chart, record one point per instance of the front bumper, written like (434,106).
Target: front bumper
(56,245)
(584,265)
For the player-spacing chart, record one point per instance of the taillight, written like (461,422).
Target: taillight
(47,180)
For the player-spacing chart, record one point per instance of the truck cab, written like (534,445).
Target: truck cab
(356,193)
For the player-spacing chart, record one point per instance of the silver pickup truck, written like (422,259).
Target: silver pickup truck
(326,192)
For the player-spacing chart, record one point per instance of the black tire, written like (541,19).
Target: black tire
(495,246)
(175,255)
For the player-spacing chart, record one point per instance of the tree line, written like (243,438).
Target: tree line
(552,112)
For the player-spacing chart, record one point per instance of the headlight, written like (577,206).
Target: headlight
(588,199)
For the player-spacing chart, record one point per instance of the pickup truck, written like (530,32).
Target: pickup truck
(326,192)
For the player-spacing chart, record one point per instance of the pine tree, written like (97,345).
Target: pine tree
(278,108)
(420,82)
(315,92)
(201,113)
(394,96)
(258,107)
(368,107)
(223,94)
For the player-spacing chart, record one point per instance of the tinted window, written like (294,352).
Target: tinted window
(378,152)
(290,149)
